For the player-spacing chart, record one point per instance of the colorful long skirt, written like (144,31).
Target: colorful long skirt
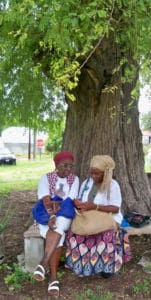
(93,254)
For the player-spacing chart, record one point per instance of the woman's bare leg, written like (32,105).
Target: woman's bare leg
(51,242)
(52,239)
(54,263)
(53,286)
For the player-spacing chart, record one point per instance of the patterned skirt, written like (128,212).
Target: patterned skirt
(93,254)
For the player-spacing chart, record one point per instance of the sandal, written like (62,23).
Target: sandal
(53,288)
(39,274)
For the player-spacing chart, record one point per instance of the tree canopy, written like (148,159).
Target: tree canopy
(90,54)
(44,45)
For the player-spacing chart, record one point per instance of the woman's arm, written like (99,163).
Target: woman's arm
(43,193)
(83,206)
(43,187)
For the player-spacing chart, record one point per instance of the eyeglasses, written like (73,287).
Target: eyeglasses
(66,165)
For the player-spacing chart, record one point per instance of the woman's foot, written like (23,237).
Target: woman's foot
(53,288)
(39,273)
(106,275)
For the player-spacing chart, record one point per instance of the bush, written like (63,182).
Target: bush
(54,145)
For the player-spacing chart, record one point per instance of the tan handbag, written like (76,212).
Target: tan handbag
(92,222)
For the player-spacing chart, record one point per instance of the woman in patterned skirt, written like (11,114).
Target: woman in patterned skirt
(105,252)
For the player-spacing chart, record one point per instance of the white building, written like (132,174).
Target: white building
(17,139)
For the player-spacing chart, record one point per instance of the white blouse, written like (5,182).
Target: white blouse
(43,187)
(101,198)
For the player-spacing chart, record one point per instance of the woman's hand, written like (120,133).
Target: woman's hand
(54,206)
(87,206)
(77,203)
(51,206)
(83,206)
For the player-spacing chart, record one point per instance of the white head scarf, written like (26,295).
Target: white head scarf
(106,164)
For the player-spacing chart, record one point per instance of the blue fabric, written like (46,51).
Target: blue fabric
(125,223)
(42,217)
(40,214)
(66,209)
(56,198)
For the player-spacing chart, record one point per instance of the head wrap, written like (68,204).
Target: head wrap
(106,164)
(61,156)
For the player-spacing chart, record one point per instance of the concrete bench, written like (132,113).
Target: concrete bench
(34,244)
(33,248)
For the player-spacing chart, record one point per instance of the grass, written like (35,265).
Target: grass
(89,294)
(143,286)
(16,277)
(25,175)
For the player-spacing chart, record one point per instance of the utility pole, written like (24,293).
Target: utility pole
(29,144)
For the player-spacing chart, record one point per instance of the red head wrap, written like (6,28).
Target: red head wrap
(61,156)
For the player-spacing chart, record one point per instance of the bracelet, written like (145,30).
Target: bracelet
(52,216)
(49,209)
(97,207)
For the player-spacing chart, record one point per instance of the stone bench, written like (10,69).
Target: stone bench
(33,248)
(34,244)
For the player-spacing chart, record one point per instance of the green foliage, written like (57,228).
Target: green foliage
(148,268)
(146,121)
(45,44)
(145,149)
(143,286)
(60,274)
(17,278)
(54,145)
(148,168)
(89,294)
(55,135)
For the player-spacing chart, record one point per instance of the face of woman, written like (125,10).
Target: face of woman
(64,168)
(97,175)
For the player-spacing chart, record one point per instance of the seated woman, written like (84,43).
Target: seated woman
(61,185)
(105,252)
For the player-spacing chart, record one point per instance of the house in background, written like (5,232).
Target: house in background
(146,137)
(17,139)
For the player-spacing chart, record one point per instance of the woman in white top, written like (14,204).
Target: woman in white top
(105,252)
(56,191)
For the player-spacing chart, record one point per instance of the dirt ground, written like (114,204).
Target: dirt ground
(131,283)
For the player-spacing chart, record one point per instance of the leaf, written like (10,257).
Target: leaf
(102,13)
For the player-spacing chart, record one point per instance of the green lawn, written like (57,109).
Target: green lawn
(25,175)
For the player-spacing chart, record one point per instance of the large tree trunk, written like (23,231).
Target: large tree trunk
(106,123)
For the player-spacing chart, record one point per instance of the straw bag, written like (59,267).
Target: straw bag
(92,222)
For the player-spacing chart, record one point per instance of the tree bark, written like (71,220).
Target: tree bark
(107,123)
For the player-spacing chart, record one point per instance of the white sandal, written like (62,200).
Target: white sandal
(40,275)
(53,288)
